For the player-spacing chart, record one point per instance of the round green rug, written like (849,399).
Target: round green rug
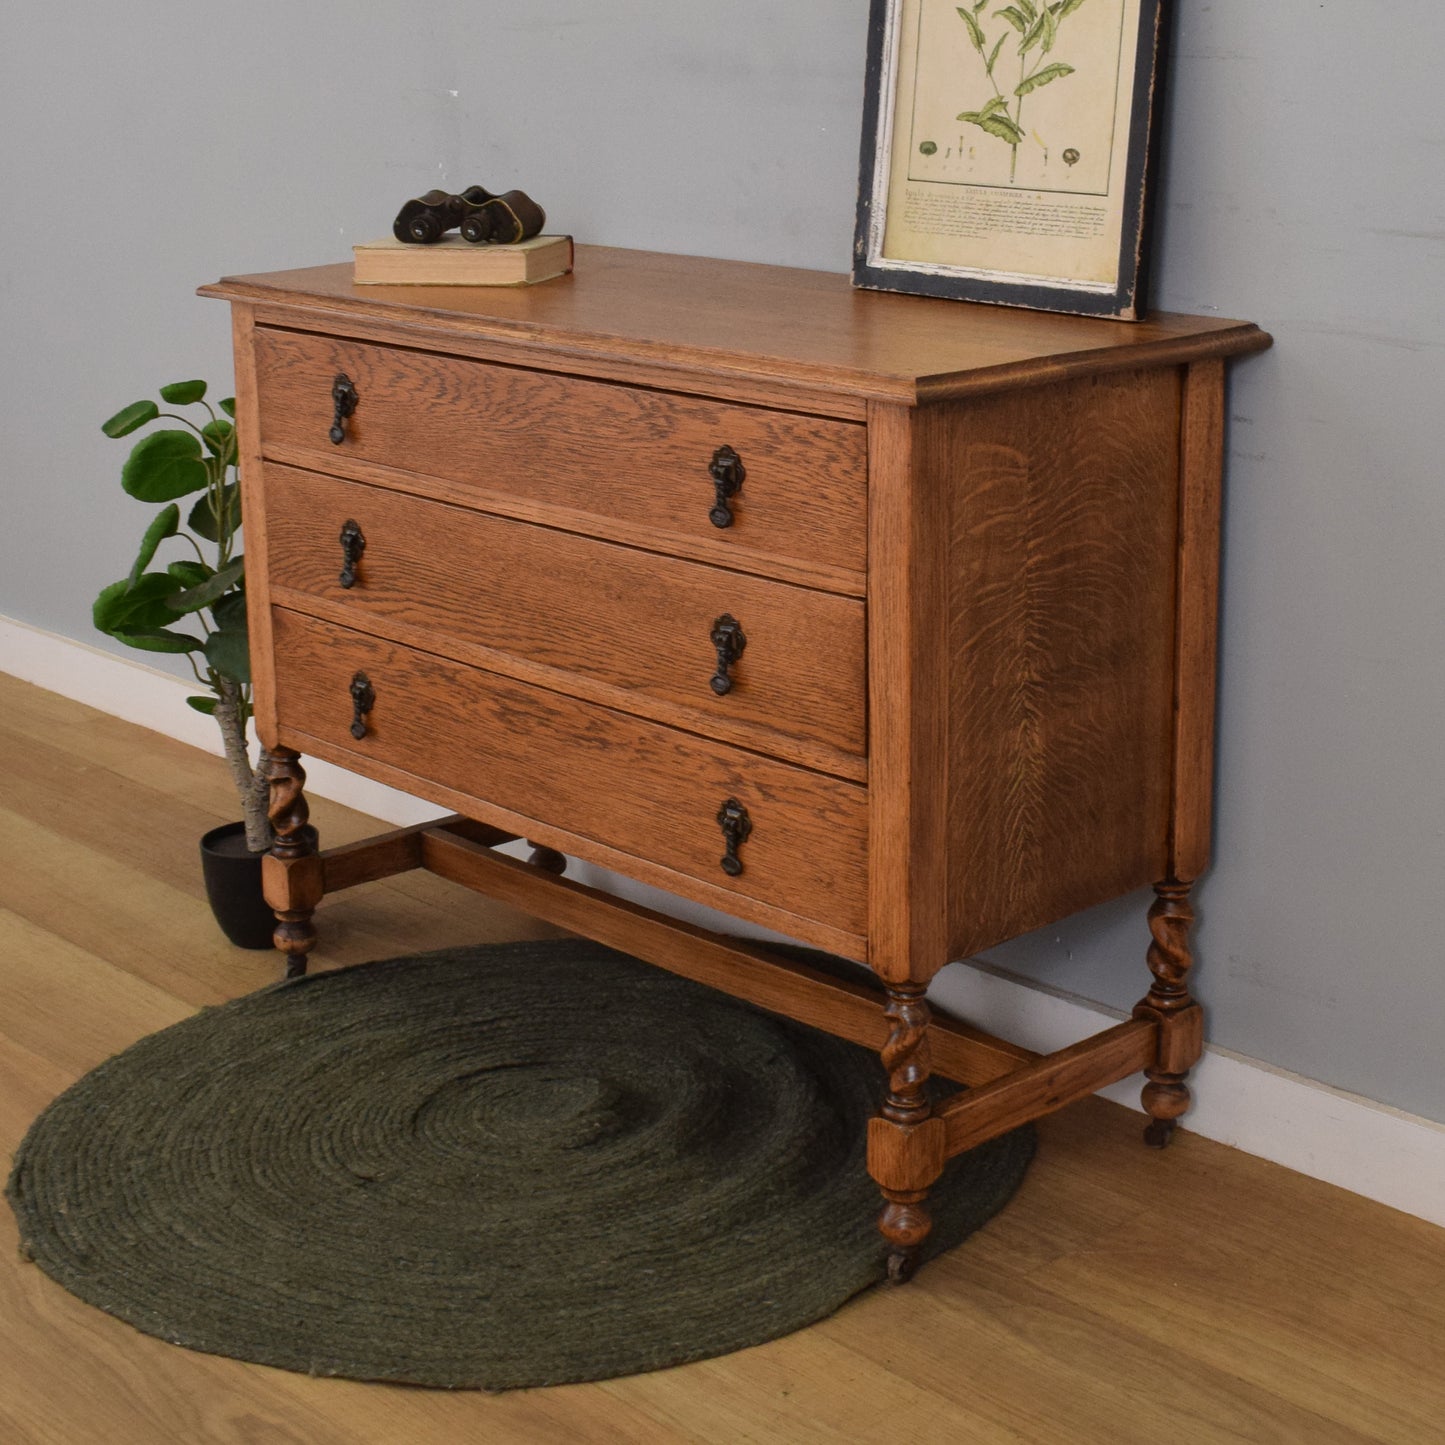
(511,1165)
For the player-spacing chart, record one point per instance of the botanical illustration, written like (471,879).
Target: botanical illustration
(1035,26)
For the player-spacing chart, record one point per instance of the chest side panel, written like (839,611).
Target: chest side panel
(1061,582)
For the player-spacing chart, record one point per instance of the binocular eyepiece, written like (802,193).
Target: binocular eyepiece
(483,218)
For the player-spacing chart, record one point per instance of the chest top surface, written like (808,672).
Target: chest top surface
(809,327)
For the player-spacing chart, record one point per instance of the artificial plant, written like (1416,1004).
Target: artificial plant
(196,606)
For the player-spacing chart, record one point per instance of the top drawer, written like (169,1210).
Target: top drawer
(588,456)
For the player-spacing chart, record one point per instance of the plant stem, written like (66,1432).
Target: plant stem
(250,782)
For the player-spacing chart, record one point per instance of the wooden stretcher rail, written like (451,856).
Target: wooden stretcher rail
(460,850)
(1053,1081)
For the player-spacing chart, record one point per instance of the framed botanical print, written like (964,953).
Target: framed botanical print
(1007,151)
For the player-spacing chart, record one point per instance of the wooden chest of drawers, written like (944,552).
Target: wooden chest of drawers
(883,622)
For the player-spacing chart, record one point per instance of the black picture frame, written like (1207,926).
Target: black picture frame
(1125,297)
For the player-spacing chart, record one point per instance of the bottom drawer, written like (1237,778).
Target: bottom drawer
(642,789)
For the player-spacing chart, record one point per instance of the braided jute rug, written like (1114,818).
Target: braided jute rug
(511,1165)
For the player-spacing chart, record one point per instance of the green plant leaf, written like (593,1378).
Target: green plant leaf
(182,393)
(192,599)
(1034,36)
(993,59)
(227,652)
(203,704)
(975,33)
(997,103)
(1003,128)
(127,604)
(1066,7)
(1014,18)
(978,5)
(157,639)
(228,405)
(164,466)
(1042,77)
(220,438)
(188,574)
(203,524)
(128,418)
(230,612)
(167,523)
(1051,29)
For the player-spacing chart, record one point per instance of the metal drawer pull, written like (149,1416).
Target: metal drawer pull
(363,699)
(344,398)
(353,544)
(728,475)
(733,819)
(727,637)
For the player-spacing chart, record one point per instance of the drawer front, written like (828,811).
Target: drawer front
(587,455)
(616,625)
(647,791)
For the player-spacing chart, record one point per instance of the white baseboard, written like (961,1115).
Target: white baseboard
(1356,1143)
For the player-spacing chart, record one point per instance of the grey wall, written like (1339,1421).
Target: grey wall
(150,147)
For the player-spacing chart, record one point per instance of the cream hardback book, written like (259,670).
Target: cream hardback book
(453,261)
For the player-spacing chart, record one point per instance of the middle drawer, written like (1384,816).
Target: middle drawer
(764,664)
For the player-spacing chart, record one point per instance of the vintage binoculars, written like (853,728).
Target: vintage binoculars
(482,217)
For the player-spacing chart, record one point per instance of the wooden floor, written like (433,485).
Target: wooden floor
(1196,1295)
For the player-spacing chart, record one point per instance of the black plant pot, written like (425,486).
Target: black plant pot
(233,885)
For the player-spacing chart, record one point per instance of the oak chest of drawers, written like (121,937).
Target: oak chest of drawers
(883,622)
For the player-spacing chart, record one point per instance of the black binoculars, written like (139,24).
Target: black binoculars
(482,217)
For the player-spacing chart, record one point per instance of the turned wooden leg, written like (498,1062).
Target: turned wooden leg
(1180,1019)
(905,1143)
(549,860)
(291,872)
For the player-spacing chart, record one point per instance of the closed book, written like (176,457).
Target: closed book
(453,261)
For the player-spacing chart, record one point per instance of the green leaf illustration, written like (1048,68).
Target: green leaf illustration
(1029,9)
(993,59)
(1043,77)
(1014,18)
(977,117)
(1003,128)
(975,33)
(1067,7)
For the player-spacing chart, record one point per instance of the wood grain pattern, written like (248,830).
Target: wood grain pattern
(1062,578)
(908,766)
(253,515)
(650,791)
(1201,481)
(614,625)
(1052,1082)
(728,319)
(596,450)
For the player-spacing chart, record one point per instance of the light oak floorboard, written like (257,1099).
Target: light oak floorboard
(1197,1295)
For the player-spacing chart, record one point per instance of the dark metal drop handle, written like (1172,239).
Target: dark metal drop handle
(344,399)
(733,819)
(353,544)
(728,474)
(728,639)
(363,699)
